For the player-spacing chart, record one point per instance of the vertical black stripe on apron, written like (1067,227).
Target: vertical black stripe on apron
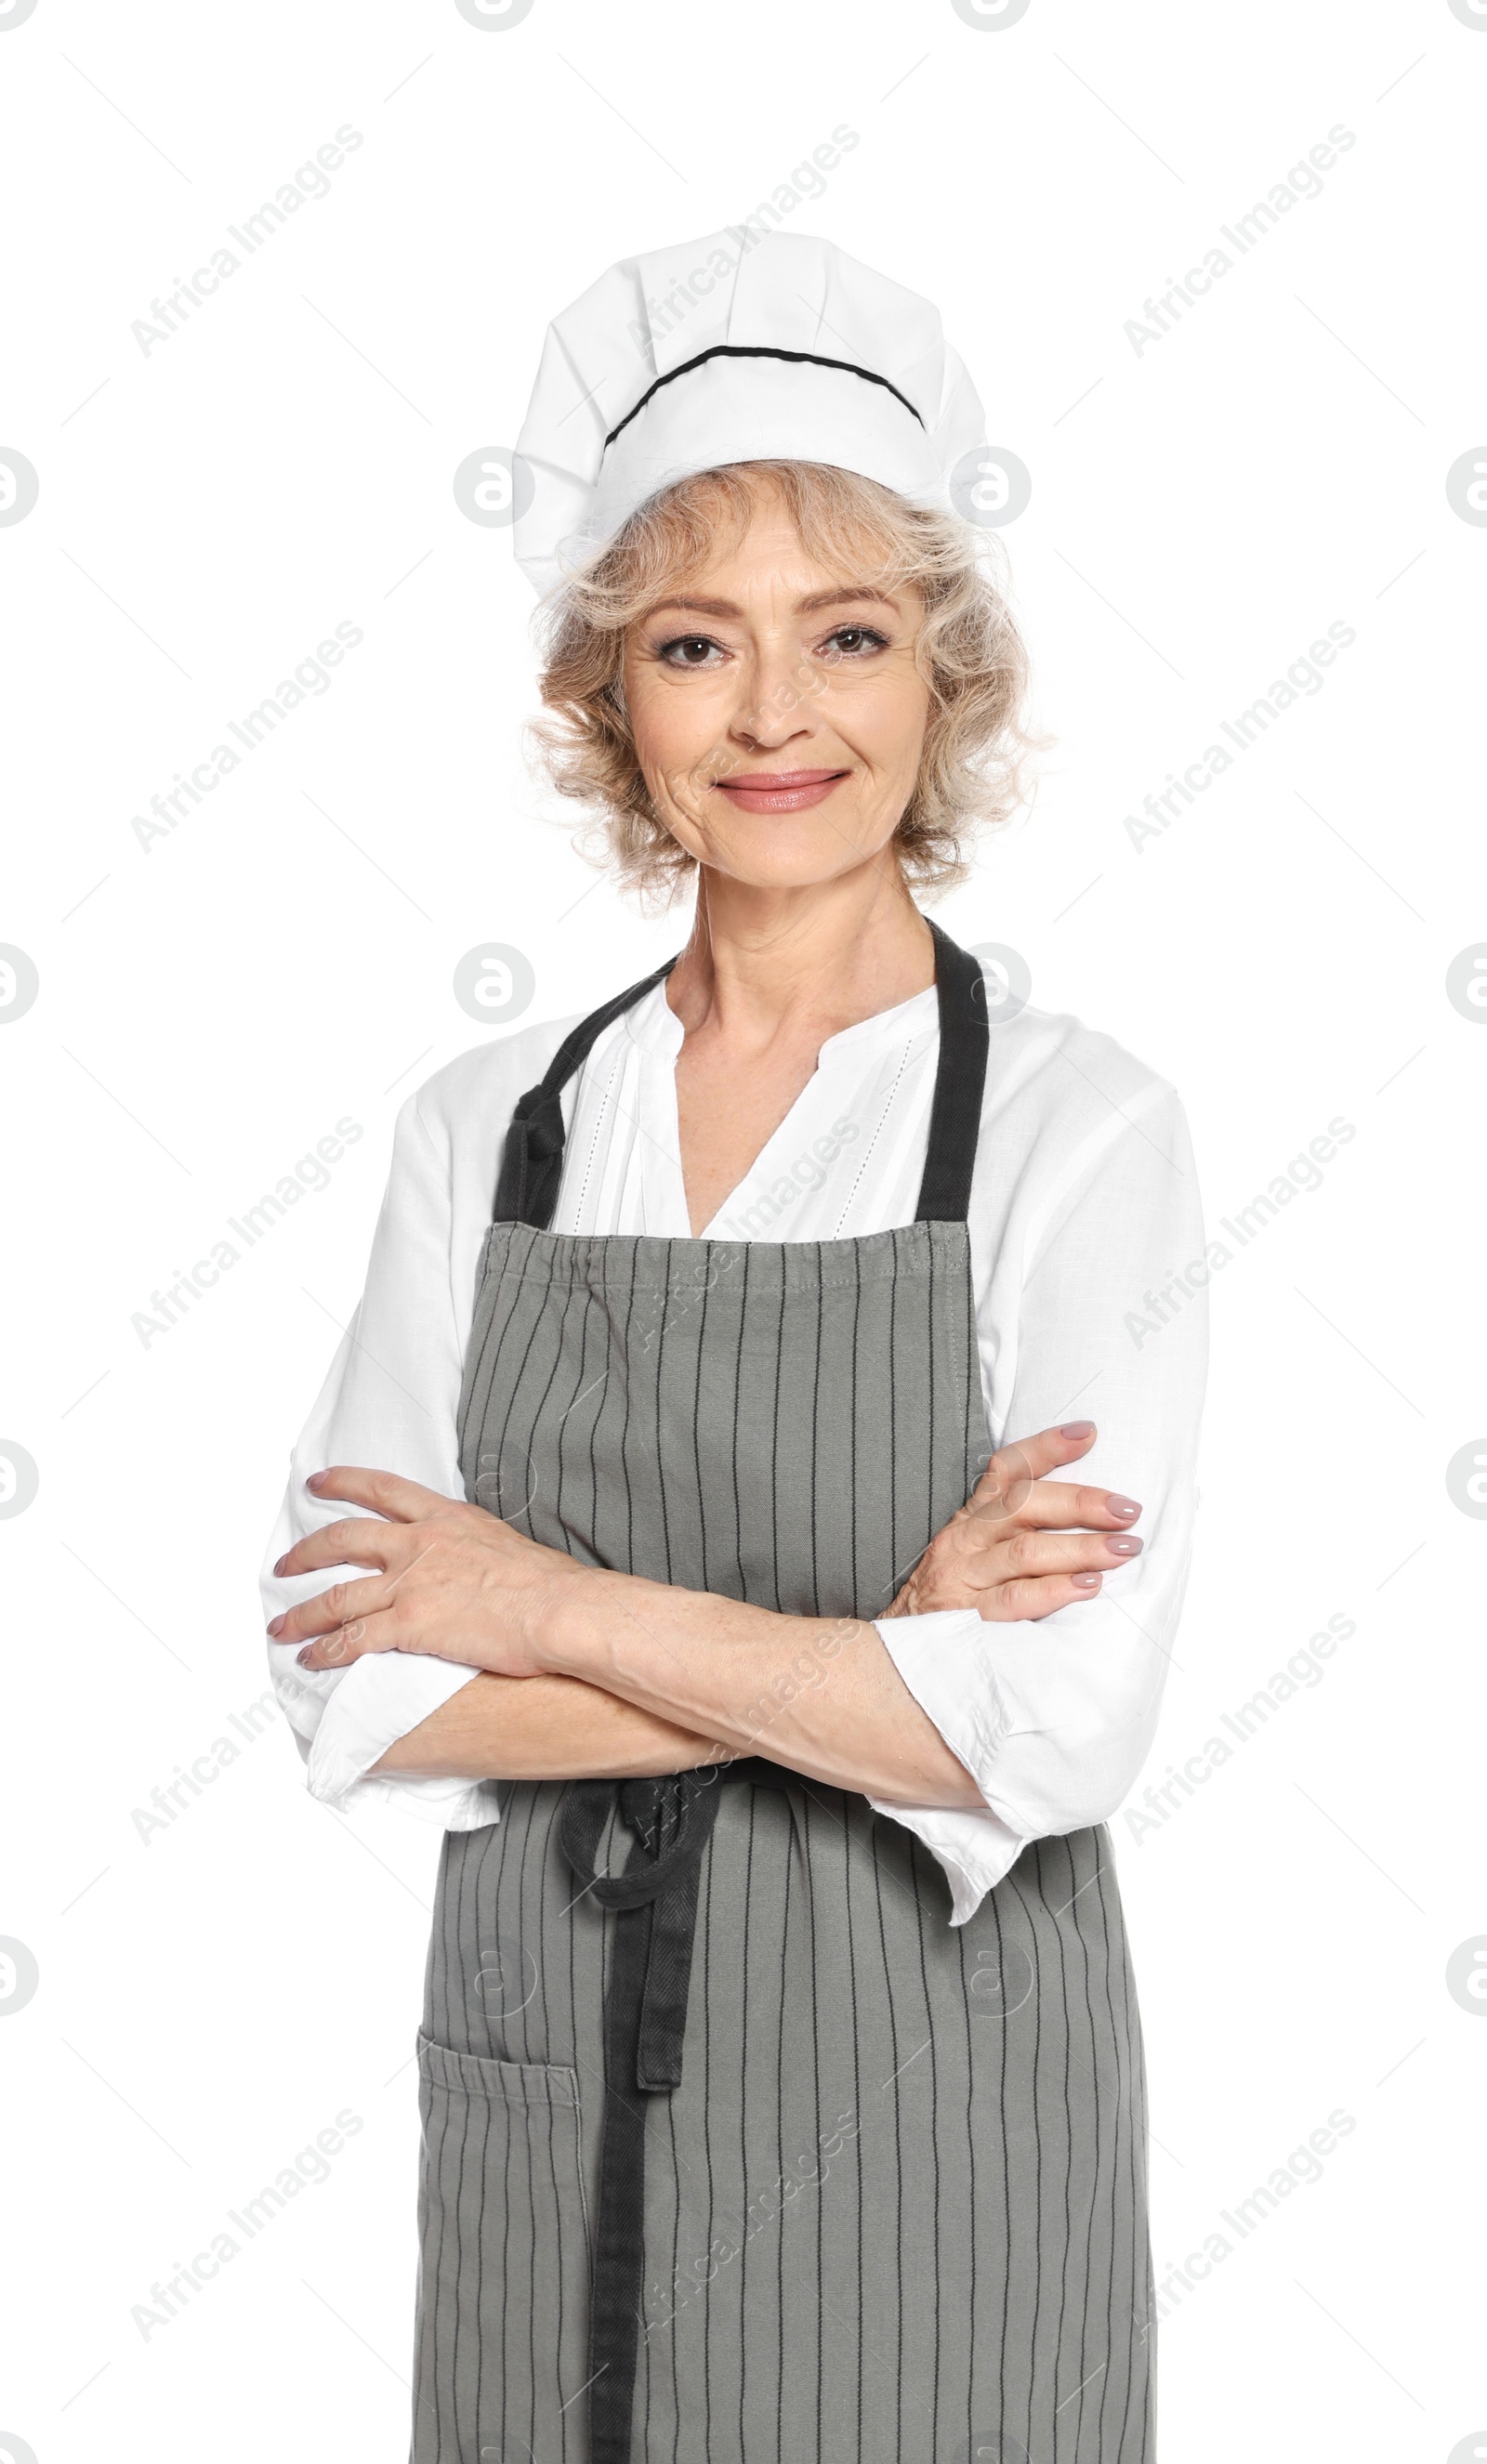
(738,1387)
(1095,2185)
(774,1433)
(628,1559)
(582,1518)
(654,1402)
(934,2141)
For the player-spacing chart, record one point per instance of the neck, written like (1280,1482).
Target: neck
(759,960)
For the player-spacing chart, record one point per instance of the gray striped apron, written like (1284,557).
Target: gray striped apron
(735,2151)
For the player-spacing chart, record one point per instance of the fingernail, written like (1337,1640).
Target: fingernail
(1077,1429)
(1085,1582)
(277,1624)
(1122,1506)
(312,1477)
(1124,1548)
(304,1656)
(278,1565)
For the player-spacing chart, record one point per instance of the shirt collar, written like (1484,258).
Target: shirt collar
(654,1026)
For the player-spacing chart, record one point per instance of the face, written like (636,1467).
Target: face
(778,713)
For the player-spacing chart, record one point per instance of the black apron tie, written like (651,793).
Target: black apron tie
(534,1154)
(654,1902)
(672,1819)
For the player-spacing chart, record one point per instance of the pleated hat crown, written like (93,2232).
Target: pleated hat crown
(740,348)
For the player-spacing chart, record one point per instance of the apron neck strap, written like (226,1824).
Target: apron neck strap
(531,1165)
(960,1079)
(532,1162)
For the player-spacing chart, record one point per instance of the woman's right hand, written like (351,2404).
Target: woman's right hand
(1023,1546)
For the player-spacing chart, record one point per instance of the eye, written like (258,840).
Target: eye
(688,651)
(852,642)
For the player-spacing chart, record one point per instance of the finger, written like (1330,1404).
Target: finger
(1037,1596)
(361,1540)
(331,1609)
(350,1642)
(386,1492)
(1058,1505)
(1037,1553)
(1013,1468)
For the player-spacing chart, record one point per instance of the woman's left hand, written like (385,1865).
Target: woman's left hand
(451,1580)
(1022,1545)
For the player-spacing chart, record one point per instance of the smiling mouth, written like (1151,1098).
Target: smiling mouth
(779,791)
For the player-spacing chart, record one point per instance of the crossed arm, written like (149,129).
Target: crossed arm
(585,1671)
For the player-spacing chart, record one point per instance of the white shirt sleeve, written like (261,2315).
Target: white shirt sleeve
(1094,1308)
(389,1402)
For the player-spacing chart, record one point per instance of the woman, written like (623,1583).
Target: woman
(781,2070)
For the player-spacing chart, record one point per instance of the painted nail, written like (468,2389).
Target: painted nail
(1085,1582)
(278,1565)
(305,1657)
(277,1624)
(1124,1548)
(1125,1507)
(1077,1429)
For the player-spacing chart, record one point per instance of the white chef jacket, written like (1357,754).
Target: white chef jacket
(1085,1230)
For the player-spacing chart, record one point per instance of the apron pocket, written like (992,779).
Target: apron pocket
(503,2270)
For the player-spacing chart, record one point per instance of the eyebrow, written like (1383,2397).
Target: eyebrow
(812,607)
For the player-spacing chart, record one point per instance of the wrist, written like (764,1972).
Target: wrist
(575,1616)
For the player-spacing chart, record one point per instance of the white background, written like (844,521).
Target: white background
(1201,512)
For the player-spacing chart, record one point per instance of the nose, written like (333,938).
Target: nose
(777,701)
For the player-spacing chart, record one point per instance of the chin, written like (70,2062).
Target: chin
(782,870)
(779,854)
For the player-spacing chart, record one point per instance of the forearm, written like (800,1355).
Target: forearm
(544,1727)
(819,1695)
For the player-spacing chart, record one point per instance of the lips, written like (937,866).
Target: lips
(779,791)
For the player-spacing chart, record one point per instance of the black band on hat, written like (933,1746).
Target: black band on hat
(760,351)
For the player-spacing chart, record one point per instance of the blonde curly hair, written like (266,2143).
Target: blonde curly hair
(968,652)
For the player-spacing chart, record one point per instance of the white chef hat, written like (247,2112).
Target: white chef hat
(744,346)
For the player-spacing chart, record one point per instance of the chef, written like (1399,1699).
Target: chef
(704,1517)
